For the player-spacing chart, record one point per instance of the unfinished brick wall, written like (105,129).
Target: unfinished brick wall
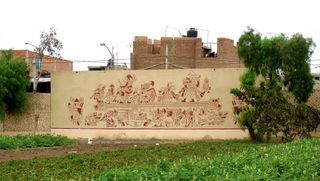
(49,63)
(26,121)
(314,99)
(183,51)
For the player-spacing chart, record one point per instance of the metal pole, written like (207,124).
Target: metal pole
(116,60)
(111,53)
(34,66)
(172,50)
(166,60)
(27,58)
(34,71)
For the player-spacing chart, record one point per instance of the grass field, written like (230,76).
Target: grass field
(91,165)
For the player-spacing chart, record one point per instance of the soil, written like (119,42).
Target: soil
(83,147)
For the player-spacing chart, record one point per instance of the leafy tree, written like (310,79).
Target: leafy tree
(49,44)
(13,84)
(279,63)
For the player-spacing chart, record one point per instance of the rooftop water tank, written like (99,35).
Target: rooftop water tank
(192,32)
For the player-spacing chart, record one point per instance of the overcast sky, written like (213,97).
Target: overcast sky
(82,25)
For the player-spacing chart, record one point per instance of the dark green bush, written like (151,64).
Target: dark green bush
(279,63)
(32,141)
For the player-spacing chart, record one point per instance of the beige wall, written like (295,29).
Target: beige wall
(184,134)
(314,99)
(145,103)
(25,122)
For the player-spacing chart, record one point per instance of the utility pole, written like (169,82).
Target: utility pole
(34,66)
(173,50)
(166,59)
(110,52)
(35,83)
(117,58)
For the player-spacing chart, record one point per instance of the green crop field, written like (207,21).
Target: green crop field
(200,160)
(299,160)
(91,165)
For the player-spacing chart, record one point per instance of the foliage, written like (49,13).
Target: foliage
(49,43)
(304,120)
(279,63)
(88,165)
(33,141)
(281,60)
(297,160)
(13,84)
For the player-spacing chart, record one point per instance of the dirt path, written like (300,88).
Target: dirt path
(24,154)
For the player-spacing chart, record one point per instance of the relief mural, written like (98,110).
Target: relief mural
(127,106)
(237,106)
(75,107)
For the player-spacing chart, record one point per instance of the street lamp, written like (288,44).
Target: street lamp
(111,53)
(34,66)
(36,48)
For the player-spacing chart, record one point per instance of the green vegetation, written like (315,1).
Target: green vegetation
(89,165)
(33,141)
(279,63)
(13,84)
(298,160)
(50,44)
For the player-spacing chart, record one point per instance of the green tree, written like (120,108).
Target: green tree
(49,44)
(13,84)
(280,63)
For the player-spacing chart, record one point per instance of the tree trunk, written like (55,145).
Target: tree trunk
(253,136)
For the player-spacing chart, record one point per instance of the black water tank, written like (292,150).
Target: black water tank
(192,32)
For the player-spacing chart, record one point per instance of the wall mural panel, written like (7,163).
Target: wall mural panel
(132,99)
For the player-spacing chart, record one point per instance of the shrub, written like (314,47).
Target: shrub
(32,141)
(280,62)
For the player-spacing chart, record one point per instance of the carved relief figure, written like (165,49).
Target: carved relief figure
(147,93)
(205,86)
(190,92)
(110,118)
(98,96)
(109,98)
(238,105)
(167,94)
(75,106)
(92,119)
(125,89)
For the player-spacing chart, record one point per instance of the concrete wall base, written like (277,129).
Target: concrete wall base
(140,134)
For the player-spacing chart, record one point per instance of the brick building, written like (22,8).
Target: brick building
(183,52)
(49,64)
